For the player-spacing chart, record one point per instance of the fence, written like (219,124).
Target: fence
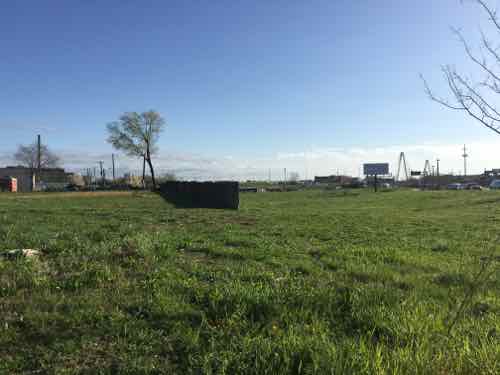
(202,194)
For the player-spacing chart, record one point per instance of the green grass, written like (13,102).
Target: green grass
(319,282)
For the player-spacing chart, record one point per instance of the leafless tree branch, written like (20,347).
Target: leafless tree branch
(491,13)
(482,63)
(466,96)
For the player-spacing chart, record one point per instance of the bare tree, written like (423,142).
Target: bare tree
(137,135)
(476,98)
(27,156)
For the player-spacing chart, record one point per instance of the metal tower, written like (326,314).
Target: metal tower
(465,156)
(402,163)
(427,168)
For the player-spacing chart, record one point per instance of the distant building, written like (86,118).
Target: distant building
(333,179)
(27,182)
(8,184)
(492,173)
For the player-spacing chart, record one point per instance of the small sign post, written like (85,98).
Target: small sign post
(375,169)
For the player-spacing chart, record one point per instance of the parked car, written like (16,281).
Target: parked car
(71,187)
(495,184)
(473,186)
(455,186)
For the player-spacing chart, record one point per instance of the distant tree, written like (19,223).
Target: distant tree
(170,177)
(137,135)
(476,98)
(77,180)
(27,156)
(133,181)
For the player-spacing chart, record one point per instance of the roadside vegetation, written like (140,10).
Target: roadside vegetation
(293,283)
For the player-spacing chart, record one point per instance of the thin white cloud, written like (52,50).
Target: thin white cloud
(315,161)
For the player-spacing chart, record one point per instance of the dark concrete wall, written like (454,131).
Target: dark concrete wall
(224,194)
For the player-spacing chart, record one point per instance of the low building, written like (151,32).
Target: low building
(333,179)
(8,184)
(28,182)
(493,173)
(25,180)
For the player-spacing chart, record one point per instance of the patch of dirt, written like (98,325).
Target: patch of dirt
(83,194)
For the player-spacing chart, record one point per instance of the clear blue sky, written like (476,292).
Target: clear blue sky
(239,78)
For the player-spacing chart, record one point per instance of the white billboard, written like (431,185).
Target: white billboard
(372,169)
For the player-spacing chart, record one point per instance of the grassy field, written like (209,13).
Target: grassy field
(292,283)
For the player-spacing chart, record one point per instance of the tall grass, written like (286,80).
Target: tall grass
(309,282)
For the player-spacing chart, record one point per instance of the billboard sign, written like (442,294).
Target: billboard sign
(372,169)
(416,173)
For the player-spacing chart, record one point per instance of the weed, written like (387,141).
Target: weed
(440,247)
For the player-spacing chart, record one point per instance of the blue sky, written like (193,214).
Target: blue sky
(243,85)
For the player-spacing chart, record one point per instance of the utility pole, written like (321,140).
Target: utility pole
(437,167)
(39,152)
(39,162)
(113,160)
(284,181)
(465,156)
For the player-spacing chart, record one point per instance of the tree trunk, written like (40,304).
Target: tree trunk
(144,172)
(148,159)
(33,180)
